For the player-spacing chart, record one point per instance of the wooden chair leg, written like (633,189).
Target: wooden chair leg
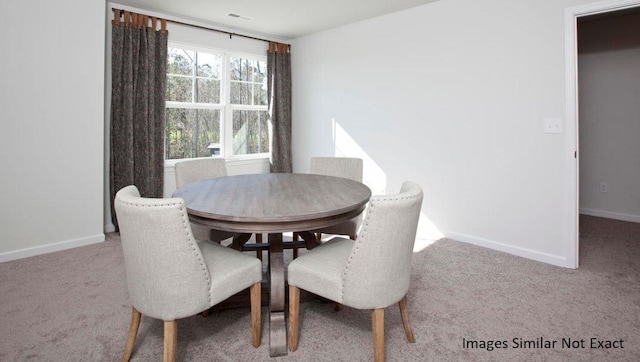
(131,337)
(404,312)
(294,312)
(378,334)
(256,295)
(259,241)
(170,340)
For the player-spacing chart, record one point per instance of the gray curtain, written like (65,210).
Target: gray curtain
(279,95)
(139,62)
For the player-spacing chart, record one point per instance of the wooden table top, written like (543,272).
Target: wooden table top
(276,202)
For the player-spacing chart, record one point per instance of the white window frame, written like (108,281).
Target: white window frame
(226,107)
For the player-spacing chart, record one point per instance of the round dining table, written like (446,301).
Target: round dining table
(274,203)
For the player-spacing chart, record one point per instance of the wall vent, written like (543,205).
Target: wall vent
(238,16)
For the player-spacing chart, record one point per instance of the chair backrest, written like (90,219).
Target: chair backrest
(166,275)
(199,169)
(345,167)
(378,270)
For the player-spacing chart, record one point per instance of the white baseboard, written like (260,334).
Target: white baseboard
(557,260)
(610,215)
(50,248)
(109,228)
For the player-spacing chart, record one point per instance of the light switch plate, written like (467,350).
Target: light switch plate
(553,125)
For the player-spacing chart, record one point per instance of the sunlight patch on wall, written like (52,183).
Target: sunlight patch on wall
(346,146)
(426,235)
(376,179)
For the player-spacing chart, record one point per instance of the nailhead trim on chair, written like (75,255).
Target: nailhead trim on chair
(360,239)
(356,247)
(192,243)
(205,272)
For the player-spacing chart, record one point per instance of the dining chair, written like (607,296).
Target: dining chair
(346,167)
(170,275)
(371,272)
(202,169)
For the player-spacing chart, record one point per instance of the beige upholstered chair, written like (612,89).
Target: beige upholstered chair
(170,275)
(345,167)
(202,169)
(197,170)
(371,272)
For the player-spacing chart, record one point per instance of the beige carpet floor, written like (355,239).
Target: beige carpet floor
(72,306)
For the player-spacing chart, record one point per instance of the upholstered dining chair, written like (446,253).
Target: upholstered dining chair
(371,272)
(345,167)
(197,170)
(202,169)
(170,275)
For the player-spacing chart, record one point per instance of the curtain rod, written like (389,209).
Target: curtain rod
(231,34)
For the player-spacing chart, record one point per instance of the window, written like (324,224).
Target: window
(216,104)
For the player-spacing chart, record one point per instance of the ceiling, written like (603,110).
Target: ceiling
(282,19)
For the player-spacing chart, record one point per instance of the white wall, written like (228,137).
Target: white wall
(453,95)
(609,81)
(52,86)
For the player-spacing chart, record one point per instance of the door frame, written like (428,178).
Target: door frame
(572,156)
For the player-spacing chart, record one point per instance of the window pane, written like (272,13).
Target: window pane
(241,69)
(208,90)
(250,132)
(180,61)
(260,94)
(179,89)
(240,93)
(191,132)
(209,132)
(260,74)
(209,65)
(248,81)
(235,71)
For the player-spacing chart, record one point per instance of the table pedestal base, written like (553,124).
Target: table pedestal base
(277,324)
(274,287)
(277,334)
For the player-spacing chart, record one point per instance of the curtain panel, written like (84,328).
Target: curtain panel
(279,95)
(139,58)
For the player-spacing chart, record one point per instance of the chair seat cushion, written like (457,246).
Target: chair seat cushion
(320,270)
(231,271)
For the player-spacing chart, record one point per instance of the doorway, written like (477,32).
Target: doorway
(575,17)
